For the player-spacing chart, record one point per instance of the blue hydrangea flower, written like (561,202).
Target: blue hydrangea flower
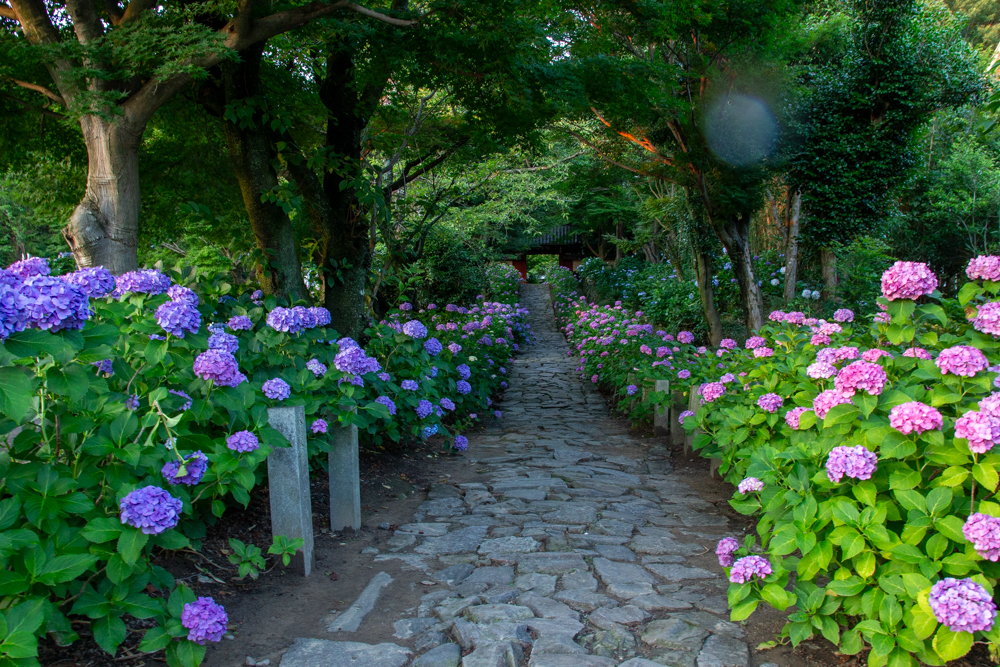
(388,403)
(240,323)
(143,281)
(461,443)
(447,404)
(195,466)
(287,320)
(409,385)
(463,387)
(429,431)
(318,368)
(497,414)
(320,315)
(150,509)
(219,366)
(319,426)
(181,293)
(415,329)
(276,389)
(205,620)
(464,371)
(224,341)
(95,281)
(242,441)
(424,408)
(384,377)
(30,266)
(433,346)
(178,318)
(104,366)
(187,403)
(132,402)
(257,295)
(52,304)
(13,317)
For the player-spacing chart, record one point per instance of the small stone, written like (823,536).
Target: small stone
(612,572)
(542,584)
(385,526)
(429,640)
(459,541)
(615,552)
(716,604)
(546,627)
(634,662)
(629,591)
(613,640)
(455,574)
(563,660)
(680,573)
(369,551)
(674,633)
(400,541)
(445,655)
(562,644)
(578,579)
(506,654)
(498,613)
(614,527)
(724,651)
(573,514)
(408,627)
(658,603)
(713,624)
(453,607)
(509,545)
(501,594)
(424,529)
(675,658)
(664,546)
(583,600)
(311,652)
(550,563)
(627,615)
(546,607)
(491,575)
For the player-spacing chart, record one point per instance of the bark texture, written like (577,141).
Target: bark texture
(828,261)
(706,291)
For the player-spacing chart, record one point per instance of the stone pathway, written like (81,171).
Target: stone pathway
(578,548)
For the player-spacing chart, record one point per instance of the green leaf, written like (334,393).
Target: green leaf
(777,597)
(155,639)
(65,568)
(15,393)
(915,583)
(951,527)
(19,645)
(904,479)
(38,343)
(742,611)
(952,645)
(922,624)
(10,509)
(851,642)
(899,658)
(109,632)
(185,654)
(130,544)
(939,500)
(846,587)
(783,541)
(101,530)
(840,414)
(986,475)
(953,476)
(865,492)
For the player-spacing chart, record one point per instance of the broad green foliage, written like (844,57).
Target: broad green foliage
(77,439)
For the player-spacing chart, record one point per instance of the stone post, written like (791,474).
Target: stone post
(345,479)
(677,406)
(288,478)
(694,402)
(661,411)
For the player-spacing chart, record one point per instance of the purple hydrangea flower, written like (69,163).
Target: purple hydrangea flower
(981,429)
(433,346)
(983,531)
(288,320)
(725,549)
(409,385)
(179,317)
(224,341)
(219,366)
(188,402)
(821,370)
(205,620)
(319,426)
(763,352)
(143,281)
(684,415)
(749,485)
(454,348)
(415,329)
(352,359)
(908,280)
(793,415)
(276,389)
(13,317)
(984,267)
(320,315)
(405,306)
(95,281)
(447,404)
(962,605)
(30,266)
(685,337)
(855,462)
(497,414)
(861,375)
(684,374)
(754,342)
(195,466)
(257,295)
(51,304)
(827,400)
(181,293)
(104,366)
(631,389)
(240,323)
(915,417)
(461,443)
(132,402)
(463,387)
(242,441)
(388,403)
(749,568)
(770,402)
(711,391)
(318,368)
(962,360)
(150,509)
(464,371)
(424,408)
(843,315)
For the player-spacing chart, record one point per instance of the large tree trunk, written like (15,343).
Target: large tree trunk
(734,233)
(706,291)
(104,228)
(251,151)
(792,247)
(828,261)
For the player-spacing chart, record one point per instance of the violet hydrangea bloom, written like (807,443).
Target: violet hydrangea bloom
(962,605)
(461,443)
(454,348)
(276,389)
(988,319)
(384,377)
(257,295)
(179,317)
(750,485)
(317,367)
(684,374)
(861,375)
(981,429)
(749,568)
(793,415)
(447,404)
(132,402)
(682,416)
(754,342)
(242,441)
(424,408)
(984,267)
(497,414)
(181,293)
(875,354)
(287,320)
(763,352)
(796,317)
(464,371)
(843,315)
(725,549)
(777,316)
(187,399)
(320,315)
(823,403)
(409,385)
(983,531)
(240,323)
(855,462)
(415,329)
(727,344)
(205,620)
(915,417)
(711,391)
(30,266)
(908,280)
(94,281)
(433,346)
(463,387)
(51,304)
(150,509)
(962,360)
(195,466)
(388,403)
(219,366)
(104,366)
(685,337)
(224,341)
(13,317)
(770,402)
(143,281)
(819,339)
(319,426)
(631,389)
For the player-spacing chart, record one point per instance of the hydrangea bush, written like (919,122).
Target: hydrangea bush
(877,479)
(133,410)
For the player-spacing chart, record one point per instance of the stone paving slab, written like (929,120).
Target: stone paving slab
(565,553)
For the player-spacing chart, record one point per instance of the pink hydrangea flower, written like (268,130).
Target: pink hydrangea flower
(727,378)
(770,402)
(908,280)
(725,549)
(685,337)
(962,360)
(988,319)
(821,369)
(981,429)
(750,485)
(983,532)
(712,391)
(881,318)
(856,462)
(874,354)
(820,339)
(843,315)
(915,417)
(917,352)
(796,317)
(830,328)
(727,344)
(861,375)
(754,342)
(793,415)
(759,352)
(749,568)
(826,401)
(834,355)
(984,267)
(777,316)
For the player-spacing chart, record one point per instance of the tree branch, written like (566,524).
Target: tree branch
(7,12)
(113,11)
(38,30)
(135,9)
(32,107)
(52,95)
(607,159)
(409,176)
